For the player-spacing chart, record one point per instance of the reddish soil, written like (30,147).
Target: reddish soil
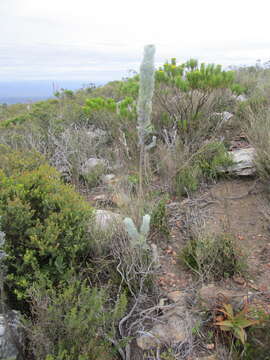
(239,206)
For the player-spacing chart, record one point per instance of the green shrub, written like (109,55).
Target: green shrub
(185,91)
(206,164)
(258,130)
(159,219)
(15,162)
(14,121)
(45,222)
(258,342)
(213,257)
(93,179)
(214,157)
(187,180)
(74,321)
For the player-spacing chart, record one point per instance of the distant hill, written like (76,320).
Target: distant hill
(12,92)
(20,99)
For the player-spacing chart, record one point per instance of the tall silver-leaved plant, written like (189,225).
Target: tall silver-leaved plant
(144,105)
(146,91)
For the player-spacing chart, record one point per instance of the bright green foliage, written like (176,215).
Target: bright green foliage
(18,120)
(130,87)
(74,321)
(45,222)
(191,76)
(100,103)
(127,108)
(183,90)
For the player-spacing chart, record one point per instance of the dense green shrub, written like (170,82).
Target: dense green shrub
(74,321)
(45,222)
(15,162)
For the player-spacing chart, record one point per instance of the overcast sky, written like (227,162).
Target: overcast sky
(99,40)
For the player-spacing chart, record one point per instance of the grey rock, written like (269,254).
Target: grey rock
(243,162)
(224,116)
(10,335)
(97,135)
(210,294)
(241,98)
(92,164)
(106,220)
(172,328)
(177,296)
(108,179)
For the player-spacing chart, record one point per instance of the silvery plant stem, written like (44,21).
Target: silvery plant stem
(144,106)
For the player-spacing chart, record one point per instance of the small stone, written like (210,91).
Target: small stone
(108,179)
(239,280)
(177,296)
(101,197)
(107,220)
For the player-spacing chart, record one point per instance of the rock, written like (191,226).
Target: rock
(97,135)
(224,116)
(209,357)
(100,198)
(106,220)
(10,336)
(171,329)
(91,165)
(211,294)
(243,162)
(155,255)
(177,296)
(241,98)
(108,179)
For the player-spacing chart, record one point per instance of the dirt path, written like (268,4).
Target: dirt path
(235,205)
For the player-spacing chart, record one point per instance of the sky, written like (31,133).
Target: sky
(102,40)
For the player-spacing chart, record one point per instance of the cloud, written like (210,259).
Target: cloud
(102,40)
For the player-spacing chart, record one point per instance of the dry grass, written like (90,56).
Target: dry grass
(258,130)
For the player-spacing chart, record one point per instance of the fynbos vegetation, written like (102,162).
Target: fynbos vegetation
(121,204)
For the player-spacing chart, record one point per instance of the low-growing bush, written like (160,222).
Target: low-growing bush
(45,222)
(15,162)
(93,179)
(73,321)
(258,130)
(159,219)
(213,256)
(258,341)
(207,163)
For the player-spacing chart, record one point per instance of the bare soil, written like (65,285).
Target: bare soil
(235,205)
